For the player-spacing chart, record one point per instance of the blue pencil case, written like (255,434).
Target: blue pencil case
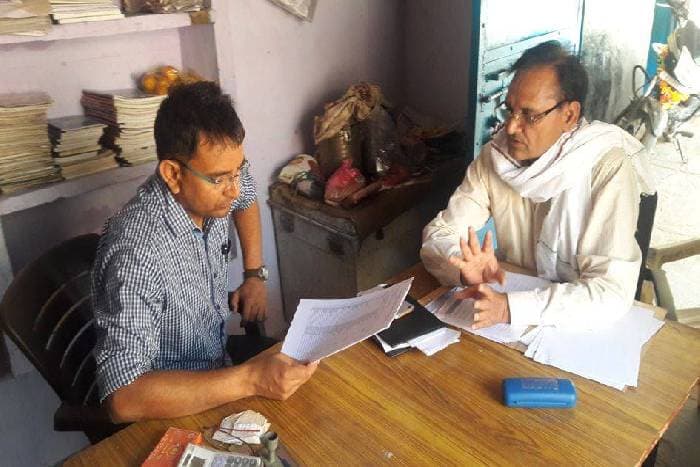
(539,393)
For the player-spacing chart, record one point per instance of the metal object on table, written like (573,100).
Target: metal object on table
(347,144)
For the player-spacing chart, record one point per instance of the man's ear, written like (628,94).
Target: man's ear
(572,113)
(171,174)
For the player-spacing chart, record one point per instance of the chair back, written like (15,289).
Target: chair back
(47,312)
(645,224)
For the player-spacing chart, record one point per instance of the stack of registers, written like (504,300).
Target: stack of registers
(25,151)
(76,147)
(415,327)
(130,115)
(78,11)
(25,17)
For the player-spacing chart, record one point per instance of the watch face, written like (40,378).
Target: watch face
(262,272)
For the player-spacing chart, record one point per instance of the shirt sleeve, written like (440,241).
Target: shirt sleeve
(468,206)
(127,314)
(247,195)
(608,260)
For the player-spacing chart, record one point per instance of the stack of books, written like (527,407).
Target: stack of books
(79,11)
(130,115)
(76,148)
(25,17)
(25,150)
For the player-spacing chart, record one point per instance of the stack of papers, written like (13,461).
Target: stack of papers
(78,11)
(25,151)
(130,115)
(25,17)
(610,356)
(321,328)
(244,427)
(429,343)
(76,148)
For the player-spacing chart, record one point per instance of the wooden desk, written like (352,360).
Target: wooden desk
(364,408)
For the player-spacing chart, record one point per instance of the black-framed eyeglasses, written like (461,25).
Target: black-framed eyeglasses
(505,113)
(221,180)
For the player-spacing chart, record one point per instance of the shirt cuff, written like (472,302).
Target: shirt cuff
(525,308)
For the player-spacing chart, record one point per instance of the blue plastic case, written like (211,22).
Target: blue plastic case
(539,392)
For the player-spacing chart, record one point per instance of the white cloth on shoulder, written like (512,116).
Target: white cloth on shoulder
(563,175)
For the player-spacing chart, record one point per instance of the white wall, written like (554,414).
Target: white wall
(281,71)
(610,49)
(436,56)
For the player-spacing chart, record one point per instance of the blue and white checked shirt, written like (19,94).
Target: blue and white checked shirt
(159,287)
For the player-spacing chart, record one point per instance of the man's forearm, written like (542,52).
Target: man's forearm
(249,232)
(169,394)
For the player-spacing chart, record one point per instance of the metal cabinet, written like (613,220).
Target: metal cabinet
(328,252)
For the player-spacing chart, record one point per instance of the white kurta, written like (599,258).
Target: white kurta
(607,258)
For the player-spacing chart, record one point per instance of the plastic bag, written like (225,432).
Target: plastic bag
(382,143)
(303,9)
(344,182)
(303,175)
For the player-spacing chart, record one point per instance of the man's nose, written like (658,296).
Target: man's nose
(231,191)
(512,125)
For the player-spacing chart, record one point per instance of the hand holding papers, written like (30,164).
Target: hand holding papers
(460,313)
(321,328)
(610,356)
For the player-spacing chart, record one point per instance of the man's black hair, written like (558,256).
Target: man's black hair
(572,76)
(191,110)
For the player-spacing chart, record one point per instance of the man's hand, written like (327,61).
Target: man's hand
(250,299)
(277,376)
(478,265)
(490,307)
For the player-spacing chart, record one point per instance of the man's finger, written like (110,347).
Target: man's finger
(481,324)
(466,251)
(474,242)
(235,301)
(488,243)
(480,305)
(469,292)
(501,276)
(247,311)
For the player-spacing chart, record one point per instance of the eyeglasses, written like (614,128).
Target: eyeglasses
(222,180)
(505,113)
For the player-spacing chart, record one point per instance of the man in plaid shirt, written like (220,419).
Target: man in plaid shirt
(159,280)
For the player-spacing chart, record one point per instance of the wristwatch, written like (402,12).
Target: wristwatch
(260,273)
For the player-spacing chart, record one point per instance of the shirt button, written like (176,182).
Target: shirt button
(216,274)
(217,306)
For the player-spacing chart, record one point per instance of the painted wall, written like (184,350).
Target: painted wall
(436,57)
(611,47)
(281,71)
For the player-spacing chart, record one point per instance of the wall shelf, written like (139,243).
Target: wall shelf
(45,194)
(130,24)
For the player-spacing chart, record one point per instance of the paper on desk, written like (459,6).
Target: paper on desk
(610,356)
(321,328)
(435,341)
(460,313)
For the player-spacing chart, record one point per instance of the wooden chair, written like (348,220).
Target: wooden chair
(47,312)
(655,261)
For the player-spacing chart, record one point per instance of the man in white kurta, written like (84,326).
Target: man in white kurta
(564,196)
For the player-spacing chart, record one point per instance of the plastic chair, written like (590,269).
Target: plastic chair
(47,312)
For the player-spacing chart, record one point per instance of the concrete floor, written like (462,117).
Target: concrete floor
(678,220)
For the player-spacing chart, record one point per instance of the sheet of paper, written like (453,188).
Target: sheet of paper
(460,313)
(321,328)
(610,356)
(435,341)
